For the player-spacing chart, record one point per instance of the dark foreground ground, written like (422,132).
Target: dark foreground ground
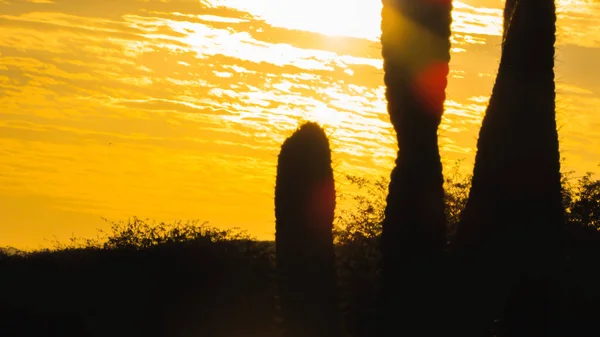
(202,288)
(185,289)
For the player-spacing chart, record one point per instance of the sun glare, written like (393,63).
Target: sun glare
(326,116)
(353,18)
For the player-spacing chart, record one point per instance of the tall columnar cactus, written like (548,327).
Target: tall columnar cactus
(509,236)
(304,211)
(416,53)
(509,9)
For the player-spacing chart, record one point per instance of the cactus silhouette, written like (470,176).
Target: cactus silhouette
(509,9)
(304,210)
(415,43)
(509,236)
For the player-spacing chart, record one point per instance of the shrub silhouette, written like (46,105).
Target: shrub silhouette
(584,204)
(304,212)
(213,283)
(221,284)
(358,229)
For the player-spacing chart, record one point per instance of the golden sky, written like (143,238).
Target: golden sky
(175,109)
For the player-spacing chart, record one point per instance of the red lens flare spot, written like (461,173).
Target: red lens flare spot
(430,86)
(323,200)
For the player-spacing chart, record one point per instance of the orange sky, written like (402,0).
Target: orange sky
(175,109)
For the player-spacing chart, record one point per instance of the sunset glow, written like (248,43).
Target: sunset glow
(176,109)
(354,18)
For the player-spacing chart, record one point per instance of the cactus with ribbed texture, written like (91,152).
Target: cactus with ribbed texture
(415,43)
(509,236)
(509,9)
(304,211)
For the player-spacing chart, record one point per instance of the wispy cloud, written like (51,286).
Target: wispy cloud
(178,108)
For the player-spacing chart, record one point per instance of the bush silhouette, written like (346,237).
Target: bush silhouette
(211,283)
(222,284)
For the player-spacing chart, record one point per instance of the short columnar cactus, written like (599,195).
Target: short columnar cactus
(304,211)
